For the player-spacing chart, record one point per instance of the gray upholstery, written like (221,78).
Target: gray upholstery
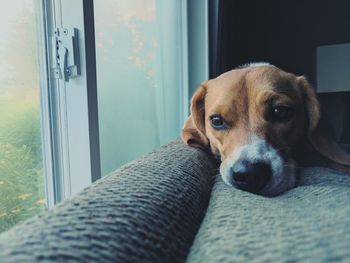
(310,223)
(151,209)
(147,211)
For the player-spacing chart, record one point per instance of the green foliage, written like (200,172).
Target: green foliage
(21,178)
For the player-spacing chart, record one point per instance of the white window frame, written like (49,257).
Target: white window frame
(68,109)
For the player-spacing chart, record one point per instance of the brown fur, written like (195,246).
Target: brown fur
(243,97)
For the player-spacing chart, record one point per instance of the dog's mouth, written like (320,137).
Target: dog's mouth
(258,168)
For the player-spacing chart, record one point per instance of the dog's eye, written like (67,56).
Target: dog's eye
(217,122)
(282,113)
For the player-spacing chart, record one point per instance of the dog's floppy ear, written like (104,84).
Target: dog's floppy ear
(193,132)
(319,134)
(312,106)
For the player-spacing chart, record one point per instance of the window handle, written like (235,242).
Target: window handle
(67,53)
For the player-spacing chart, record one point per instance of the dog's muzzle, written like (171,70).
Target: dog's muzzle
(257,167)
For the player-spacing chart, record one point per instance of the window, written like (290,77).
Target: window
(140,47)
(130,95)
(21,171)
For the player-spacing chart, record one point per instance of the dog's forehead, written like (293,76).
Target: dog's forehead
(239,81)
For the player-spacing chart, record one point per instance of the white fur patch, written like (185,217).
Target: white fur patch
(255,64)
(258,150)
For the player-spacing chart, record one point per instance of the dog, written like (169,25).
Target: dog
(262,123)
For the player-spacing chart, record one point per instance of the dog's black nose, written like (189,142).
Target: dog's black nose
(251,177)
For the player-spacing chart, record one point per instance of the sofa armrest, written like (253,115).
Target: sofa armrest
(147,211)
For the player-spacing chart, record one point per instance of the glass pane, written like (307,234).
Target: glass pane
(21,178)
(132,100)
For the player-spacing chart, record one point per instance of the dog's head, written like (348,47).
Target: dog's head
(255,118)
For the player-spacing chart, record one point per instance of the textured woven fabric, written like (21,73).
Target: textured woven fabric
(147,211)
(310,223)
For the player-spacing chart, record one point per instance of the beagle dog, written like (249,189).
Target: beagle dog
(261,122)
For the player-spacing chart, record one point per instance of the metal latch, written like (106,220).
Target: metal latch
(66,53)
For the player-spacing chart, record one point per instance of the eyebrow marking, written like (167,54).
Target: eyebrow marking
(227,112)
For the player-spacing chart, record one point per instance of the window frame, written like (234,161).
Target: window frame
(69,115)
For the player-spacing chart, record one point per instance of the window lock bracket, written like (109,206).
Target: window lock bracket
(66,57)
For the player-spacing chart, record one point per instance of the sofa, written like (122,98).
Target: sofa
(171,206)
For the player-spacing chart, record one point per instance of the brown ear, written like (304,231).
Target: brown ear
(193,132)
(319,135)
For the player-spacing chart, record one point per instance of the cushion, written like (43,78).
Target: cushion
(310,223)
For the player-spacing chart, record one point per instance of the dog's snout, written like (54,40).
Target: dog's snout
(251,177)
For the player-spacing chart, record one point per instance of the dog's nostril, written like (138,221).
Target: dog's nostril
(240,177)
(251,177)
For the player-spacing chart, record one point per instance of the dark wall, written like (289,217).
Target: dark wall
(282,32)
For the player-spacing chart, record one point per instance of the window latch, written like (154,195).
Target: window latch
(66,53)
